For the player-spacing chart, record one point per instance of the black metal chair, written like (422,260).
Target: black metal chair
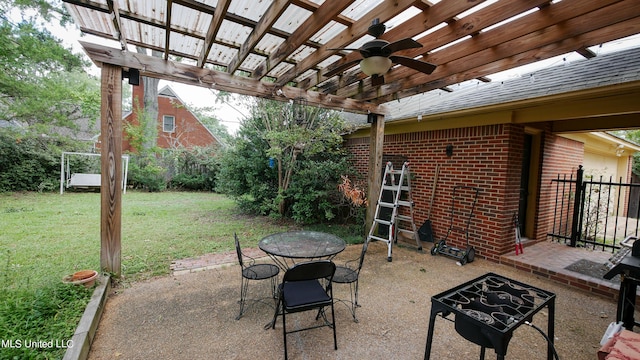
(301,290)
(253,271)
(349,273)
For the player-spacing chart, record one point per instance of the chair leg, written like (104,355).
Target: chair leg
(275,314)
(243,294)
(284,333)
(333,326)
(354,299)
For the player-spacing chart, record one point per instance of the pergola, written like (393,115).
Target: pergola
(288,49)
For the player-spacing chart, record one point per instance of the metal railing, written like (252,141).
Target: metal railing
(593,213)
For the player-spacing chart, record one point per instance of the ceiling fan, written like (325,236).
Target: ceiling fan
(377,56)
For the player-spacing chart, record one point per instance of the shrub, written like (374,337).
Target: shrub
(145,172)
(192,169)
(31,162)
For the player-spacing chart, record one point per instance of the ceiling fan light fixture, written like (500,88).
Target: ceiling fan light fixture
(375,65)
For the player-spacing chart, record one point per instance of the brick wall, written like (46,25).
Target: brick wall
(487,157)
(481,158)
(560,156)
(189,131)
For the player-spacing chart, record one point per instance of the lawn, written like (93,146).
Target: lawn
(44,237)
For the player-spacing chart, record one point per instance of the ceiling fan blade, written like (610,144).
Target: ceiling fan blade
(377,80)
(421,66)
(348,49)
(340,68)
(403,44)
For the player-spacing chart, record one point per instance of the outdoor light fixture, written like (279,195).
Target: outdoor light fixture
(133,75)
(375,65)
(449,150)
(300,110)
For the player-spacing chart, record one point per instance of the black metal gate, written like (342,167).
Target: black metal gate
(594,213)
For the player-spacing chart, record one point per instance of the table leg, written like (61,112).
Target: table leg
(432,322)
(627,303)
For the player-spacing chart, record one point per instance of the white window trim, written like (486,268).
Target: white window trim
(164,129)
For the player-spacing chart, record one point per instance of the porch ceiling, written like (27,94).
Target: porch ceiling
(282,49)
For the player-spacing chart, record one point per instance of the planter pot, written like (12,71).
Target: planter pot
(83,277)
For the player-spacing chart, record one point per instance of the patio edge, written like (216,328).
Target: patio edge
(86,330)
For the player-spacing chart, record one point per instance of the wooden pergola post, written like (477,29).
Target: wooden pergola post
(376,142)
(111,169)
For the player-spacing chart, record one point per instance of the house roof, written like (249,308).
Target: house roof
(167,91)
(608,69)
(288,49)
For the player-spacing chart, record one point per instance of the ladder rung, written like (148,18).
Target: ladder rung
(389,187)
(403,188)
(404,218)
(405,231)
(383,222)
(378,238)
(386,204)
(404,203)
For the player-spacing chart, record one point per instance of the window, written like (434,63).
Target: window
(168,123)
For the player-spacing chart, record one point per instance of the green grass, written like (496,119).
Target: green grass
(44,237)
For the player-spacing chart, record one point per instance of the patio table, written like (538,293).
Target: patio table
(287,248)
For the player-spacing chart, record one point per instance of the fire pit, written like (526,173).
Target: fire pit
(488,309)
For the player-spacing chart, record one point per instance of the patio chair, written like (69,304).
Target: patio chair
(301,290)
(349,273)
(253,271)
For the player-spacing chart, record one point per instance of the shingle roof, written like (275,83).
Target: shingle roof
(602,70)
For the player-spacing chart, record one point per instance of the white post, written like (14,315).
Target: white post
(61,173)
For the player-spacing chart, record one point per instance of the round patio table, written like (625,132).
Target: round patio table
(287,248)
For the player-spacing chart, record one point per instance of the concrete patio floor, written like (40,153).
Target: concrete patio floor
(191,315)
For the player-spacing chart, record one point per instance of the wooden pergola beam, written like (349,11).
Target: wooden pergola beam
(192,75)
(111,169)
(374,184)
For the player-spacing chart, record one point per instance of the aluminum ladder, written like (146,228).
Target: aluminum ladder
(394,209)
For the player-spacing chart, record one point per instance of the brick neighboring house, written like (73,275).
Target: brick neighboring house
(507,140)
(176,125)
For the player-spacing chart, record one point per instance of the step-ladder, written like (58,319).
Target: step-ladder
(394,209)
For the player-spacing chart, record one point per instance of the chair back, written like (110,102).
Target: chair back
(238,250)
(312,270)
(362,254)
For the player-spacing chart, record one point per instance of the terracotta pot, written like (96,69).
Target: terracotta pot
(84,277)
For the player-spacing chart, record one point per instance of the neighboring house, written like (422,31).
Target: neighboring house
(176,125)
(511,139)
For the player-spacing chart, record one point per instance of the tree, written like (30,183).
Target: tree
(633,136)
(208,119)
(287,161)
(295,130)
(42,83)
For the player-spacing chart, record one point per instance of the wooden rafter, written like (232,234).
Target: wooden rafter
(167,30)
(357,30)
(214,26)
(117,24)
(194,75)
(496,44)
(309,27)
(467,46)
(260,29)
